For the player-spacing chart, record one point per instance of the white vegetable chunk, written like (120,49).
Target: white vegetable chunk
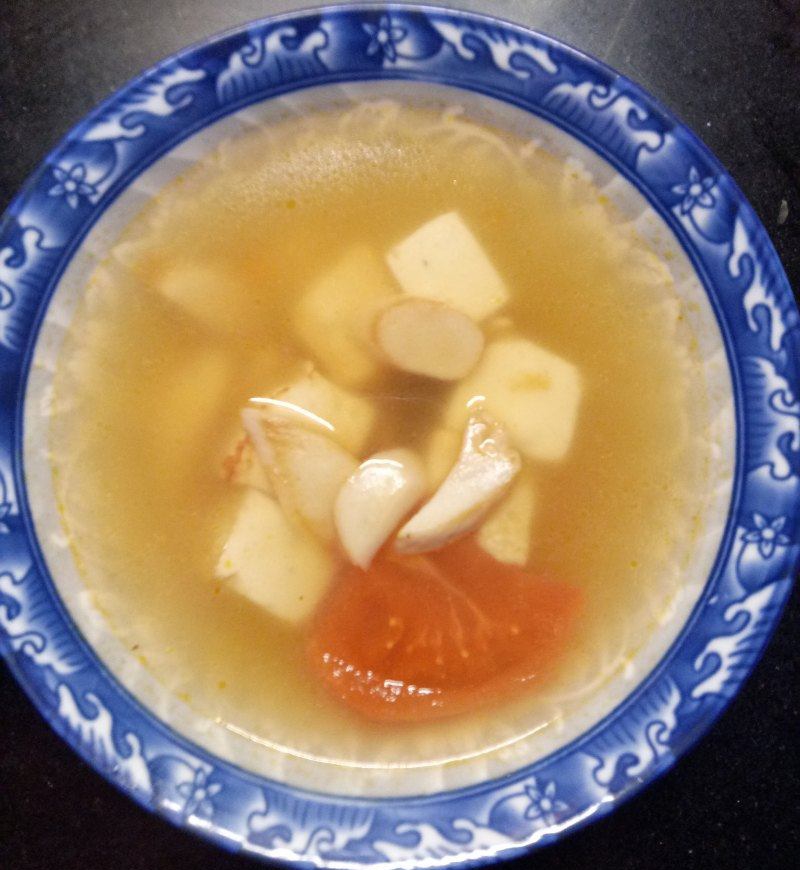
(444,262)
(485,467)
(348,417)
(506,532)
(428,338)
(306,469)
(333,318)
(374,501)
(272,562)
(533,392)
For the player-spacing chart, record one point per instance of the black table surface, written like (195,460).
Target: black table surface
(731,70)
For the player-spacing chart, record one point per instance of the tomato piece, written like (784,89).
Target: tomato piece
(419,637)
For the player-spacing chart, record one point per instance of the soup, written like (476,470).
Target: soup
(378,448)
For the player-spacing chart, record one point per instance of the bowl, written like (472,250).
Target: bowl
(95,695)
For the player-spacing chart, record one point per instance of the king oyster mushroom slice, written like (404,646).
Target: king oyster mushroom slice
(483,471)
(347,416)
(306,467)
(428,338)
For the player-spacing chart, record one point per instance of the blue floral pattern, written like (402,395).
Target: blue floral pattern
(6,296)
(384,37)
(757,556)
(767,534)
(198,793)
(695,192)
(5,507)
(544,806)
(71,184)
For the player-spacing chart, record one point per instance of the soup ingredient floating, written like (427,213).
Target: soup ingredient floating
(422,637)
(264,541)
(444,262)
(312,397)
(428,338)
(484,469)
(426,618)
(306,468)
(375,499)
(334,317)
(261,281)
(533,392)
(506,534)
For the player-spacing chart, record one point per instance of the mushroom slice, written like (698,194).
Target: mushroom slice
(428,338)
(483,471)
(241,466)
(351,416)
(306,468)
(374,500)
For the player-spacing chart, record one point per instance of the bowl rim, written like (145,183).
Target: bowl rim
(673,705)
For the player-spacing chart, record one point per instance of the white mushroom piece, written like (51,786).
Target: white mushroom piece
(305,465)
(428,338)
(483,471)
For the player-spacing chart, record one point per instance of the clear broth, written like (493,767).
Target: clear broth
(153,394)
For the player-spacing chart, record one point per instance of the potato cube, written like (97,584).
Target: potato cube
(533,392)
(506,533)
(334,317)
(444,262)
(272,562)
(203,291)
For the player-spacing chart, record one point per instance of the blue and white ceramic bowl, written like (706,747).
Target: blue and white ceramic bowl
(164,755)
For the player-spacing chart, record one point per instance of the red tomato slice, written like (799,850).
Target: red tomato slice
(419,637)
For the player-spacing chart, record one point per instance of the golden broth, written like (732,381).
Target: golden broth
(155,393)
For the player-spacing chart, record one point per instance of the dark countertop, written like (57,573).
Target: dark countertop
(731,70)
